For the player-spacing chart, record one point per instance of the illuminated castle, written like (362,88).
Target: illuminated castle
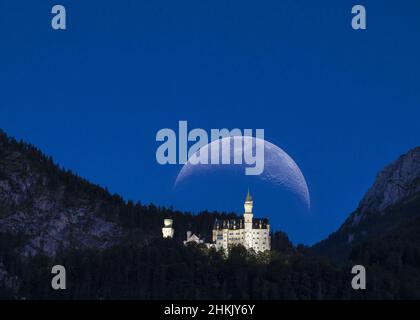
(247,231)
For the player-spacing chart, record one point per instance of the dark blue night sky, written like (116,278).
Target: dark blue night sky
(341,103)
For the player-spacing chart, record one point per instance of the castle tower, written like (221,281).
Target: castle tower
(248,216)
(167,230)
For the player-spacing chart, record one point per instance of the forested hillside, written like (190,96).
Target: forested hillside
(113,249)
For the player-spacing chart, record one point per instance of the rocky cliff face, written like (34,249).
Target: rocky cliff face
(398,181)
(46,208)
(394,184)
(393,197)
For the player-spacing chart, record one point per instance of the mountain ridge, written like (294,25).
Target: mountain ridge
(395,187)
(52,208)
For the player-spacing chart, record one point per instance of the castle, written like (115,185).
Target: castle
(247,231)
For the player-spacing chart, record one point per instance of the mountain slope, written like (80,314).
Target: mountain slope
(393,199)
(48,208)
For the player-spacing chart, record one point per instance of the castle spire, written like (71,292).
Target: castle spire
(248,196)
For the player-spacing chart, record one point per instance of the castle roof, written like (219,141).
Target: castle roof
(248,197)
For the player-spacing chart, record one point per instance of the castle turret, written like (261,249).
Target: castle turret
(248,203)
(167,230)
(248,216)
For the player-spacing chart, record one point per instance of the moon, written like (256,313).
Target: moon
(279,168)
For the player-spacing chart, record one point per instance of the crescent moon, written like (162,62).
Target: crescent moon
(279,167)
